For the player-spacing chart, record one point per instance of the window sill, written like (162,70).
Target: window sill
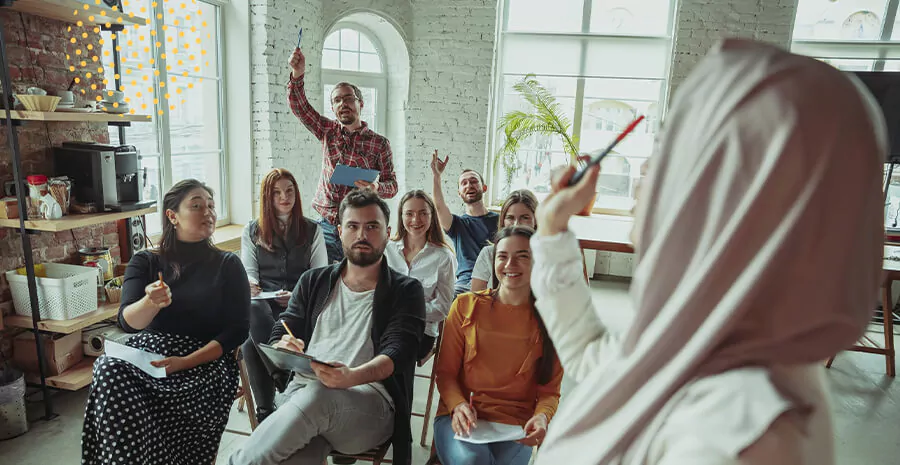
(227,238)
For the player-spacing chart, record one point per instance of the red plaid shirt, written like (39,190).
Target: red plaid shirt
(363,148)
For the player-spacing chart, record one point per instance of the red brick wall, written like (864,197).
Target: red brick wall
(37,57)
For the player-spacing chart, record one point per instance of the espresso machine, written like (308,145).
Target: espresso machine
(109,176)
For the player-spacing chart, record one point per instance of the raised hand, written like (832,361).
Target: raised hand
(297,63)
(438,166)
(554,212)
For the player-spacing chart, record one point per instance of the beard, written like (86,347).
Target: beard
(477,198)
(347,118)
(363,258)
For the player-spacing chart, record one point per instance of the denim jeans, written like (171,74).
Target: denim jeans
(332,242)
(454,452)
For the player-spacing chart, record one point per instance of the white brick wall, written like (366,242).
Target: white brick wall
(451,57)
(279,138)
(451,46)
(699,24)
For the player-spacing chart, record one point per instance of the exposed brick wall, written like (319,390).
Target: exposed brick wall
(451,61)
(37,57)
(279,140)
(699,24)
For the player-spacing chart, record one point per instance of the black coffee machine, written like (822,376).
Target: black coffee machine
(106,175)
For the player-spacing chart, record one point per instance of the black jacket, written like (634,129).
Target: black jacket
(398,320)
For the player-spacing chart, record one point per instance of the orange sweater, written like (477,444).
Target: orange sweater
(494,354)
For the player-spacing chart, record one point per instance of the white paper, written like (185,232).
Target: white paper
(136,357)
(269,295)
(486,432)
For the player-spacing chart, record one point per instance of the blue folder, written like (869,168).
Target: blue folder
(347,175)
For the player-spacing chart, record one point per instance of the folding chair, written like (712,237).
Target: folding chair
(376,455)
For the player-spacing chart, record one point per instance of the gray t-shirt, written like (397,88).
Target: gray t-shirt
(343,332)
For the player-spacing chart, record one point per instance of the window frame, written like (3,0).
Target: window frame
(162,124)
(378,81)
(495,139)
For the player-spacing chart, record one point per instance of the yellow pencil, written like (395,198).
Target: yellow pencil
(288,329)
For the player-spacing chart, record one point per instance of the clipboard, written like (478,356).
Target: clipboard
(346,175)
(290,360)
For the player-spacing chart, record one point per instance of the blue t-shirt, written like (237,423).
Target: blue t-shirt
(469,235)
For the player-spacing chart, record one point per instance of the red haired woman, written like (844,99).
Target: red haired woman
(276,249)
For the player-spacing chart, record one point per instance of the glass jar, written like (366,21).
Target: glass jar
(37,188)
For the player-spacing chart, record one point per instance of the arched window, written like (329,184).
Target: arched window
(352,54)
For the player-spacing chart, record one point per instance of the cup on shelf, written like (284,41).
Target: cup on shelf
(114,96)
(35,91)
(67,98)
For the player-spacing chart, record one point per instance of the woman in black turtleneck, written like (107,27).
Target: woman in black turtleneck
(196,316)
(276,249)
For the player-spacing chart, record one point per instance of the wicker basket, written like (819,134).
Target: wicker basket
(39,102)
(114,294)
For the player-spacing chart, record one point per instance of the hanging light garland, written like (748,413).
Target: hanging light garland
(87,59)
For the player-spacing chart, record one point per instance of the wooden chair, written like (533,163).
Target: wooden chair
(426,416)
(376,455)
(866,344)
(244,396)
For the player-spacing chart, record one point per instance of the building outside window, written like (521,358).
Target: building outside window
(583,52)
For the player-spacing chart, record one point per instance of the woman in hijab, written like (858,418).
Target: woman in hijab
(758,238)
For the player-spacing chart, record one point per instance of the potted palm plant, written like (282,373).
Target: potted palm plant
(546,119)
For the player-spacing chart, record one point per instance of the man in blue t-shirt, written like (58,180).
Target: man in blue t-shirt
(471,231)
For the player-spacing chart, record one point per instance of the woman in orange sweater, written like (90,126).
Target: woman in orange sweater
(496,363)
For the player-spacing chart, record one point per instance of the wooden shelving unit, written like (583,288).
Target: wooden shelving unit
(73,379)
(75,221)
(94,117)
(105,312)
(64,10)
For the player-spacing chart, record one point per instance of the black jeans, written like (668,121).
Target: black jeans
(263,314)
(332,242)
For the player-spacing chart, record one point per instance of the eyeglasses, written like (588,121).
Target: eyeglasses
(348,99)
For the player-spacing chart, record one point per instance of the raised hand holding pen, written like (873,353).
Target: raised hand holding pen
(158,293)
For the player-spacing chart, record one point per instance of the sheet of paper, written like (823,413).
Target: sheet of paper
(486,432)
(267,295)
(346,175)
(136,357)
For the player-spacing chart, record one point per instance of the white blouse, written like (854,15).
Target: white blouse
(709,420)
(435,268)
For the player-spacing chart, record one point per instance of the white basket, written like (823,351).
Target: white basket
(68,291)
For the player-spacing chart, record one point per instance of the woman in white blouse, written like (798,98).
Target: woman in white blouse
(419,249)
(758,239)
(518,210)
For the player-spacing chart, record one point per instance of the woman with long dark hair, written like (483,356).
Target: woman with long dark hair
(420,250)
(497,363)
(276,249)
(187,301)
(517,210)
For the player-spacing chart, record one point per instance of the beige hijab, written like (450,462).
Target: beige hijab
(761,228)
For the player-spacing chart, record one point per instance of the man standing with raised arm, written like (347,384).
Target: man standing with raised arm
(470,231)
(345,141)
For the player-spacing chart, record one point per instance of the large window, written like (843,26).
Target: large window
(853,35)
(352,55)
(606,62)
(171,69)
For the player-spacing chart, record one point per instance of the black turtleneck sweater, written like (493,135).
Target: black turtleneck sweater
(210,295)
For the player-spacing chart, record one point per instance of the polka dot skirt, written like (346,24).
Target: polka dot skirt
(133,418)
